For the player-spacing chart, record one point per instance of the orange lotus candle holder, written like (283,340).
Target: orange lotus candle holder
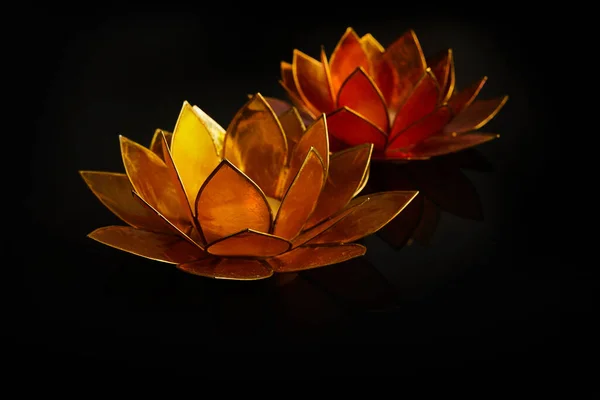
(263,196)
(395,98)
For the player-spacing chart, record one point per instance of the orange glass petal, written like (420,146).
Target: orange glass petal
(301,198)
(229,268)
(229,202)
(347,170)
(422,101)
(248,243)
(156,143)
(292,125)
(444,144)
(476,115)
(256,144)
(442,67)
(155,246)
(373,49)
(359,93)
(312,83)
(367,218)
(303,258)
(421,130)
(353,129)
(465,97)
(346,57)
(114,191)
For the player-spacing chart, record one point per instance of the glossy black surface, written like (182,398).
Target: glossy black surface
(480,287)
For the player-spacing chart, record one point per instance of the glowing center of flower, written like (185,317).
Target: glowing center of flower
(274,204)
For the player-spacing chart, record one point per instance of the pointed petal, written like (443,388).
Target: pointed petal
(151,180)
(311,80)
(420,130)
(307,115)
(359,93)
(325,225)
(346,57)
(327,69)
(114,191)
(303,258)
(256,144)
(216,131)
(287,77)
(373,49)
(293,127)
(476,116)
(422,101)
(155,246)
(195,232)
(229,202)
(353,129)
(193,151)
(364,181)
(347,170)
(443,144)
(232,269)
(301,198)
(401,67)
(398,232)
(156,143)
(248,243)
(316,136)
(464,98)
(367,218)
(442,66)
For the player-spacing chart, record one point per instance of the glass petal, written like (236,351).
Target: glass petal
(193,151)
(442,66)
(316,136)
(287,77)
(443,144)
(420,130)
(373,49)
(293,127)
(151,180)
(156,143)
(327,69)
(217,132)
(248,243)
(398,232)
(195,233)
(256,144)
(311,81)
(347,170)
(465,97)
(401,67)
(323,226)
(155,246)
(301,198)
(346,57)
(295,99)
(367,218)
(230,202)
(229,268)
(422,101)
(476,116)
(359,93)
(303,258)
(114,191)
(353,129)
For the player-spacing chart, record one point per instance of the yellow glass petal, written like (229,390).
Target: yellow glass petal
(303,258)
(347,170)
(151,180)
(311,81)
(193,151)
(217,132)
(347,56)
(114,191)
(316,137)
(367,218)
(232,269)
(155,246)
(255,143)
(230,202)
(293,127)
(195,232)
(476,115)
(301,197)
(156,143)
(308,234)
(248,243)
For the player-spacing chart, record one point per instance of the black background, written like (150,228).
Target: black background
(80,307)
